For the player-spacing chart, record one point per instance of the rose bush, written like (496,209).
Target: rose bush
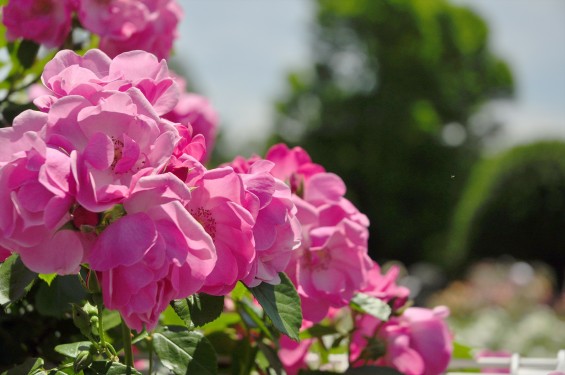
(105,183)
(122,25)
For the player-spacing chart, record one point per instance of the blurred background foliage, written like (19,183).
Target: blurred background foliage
(514,203)
(505,305)
(387,106)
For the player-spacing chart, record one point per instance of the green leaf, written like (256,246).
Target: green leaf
(200,308)
(27,52)
(171,318)
(461,351)
(223,342)
(281,304)
(139,337)
(371,305)
(2,29)
(225,320)
(15,280)
(30,366)
(11,47)
(47,277)
(82,361)
(109,368)
(180,306)
(318,330)
(185,352)
(55,299)
(72,350)
(111,319)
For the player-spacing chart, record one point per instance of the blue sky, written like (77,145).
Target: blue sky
(238,51)
(530,35)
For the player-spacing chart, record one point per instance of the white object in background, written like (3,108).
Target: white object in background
(516,365)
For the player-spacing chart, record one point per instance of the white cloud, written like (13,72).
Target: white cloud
(524,124)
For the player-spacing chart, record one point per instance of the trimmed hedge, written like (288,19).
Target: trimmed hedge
(514,203)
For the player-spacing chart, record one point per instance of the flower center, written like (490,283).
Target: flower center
(118,151)
(317,259)
(205,218)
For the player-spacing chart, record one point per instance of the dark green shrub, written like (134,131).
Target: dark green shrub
(514,204)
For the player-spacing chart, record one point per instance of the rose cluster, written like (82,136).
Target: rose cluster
(123,25)
(332,262)
(331,265)
(110,172)
(98,175)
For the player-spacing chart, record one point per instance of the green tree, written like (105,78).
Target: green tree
(387,106)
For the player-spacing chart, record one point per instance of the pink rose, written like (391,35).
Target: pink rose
(198,112)
(330,265)
(194,147)
(118,19)
(416,343)
(153,27)
(276,231)
(293,354)
(70,74)
(220,204)
(384,286)
(22,136)
(36,90)
(46,22)
(36,196)
(186,167)
(60,252)
(292,166)
(150,75)
(155,253)
(109,143)
(332,262)
(319,194)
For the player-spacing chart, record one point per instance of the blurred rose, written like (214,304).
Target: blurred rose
(46,22)
(416,343)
